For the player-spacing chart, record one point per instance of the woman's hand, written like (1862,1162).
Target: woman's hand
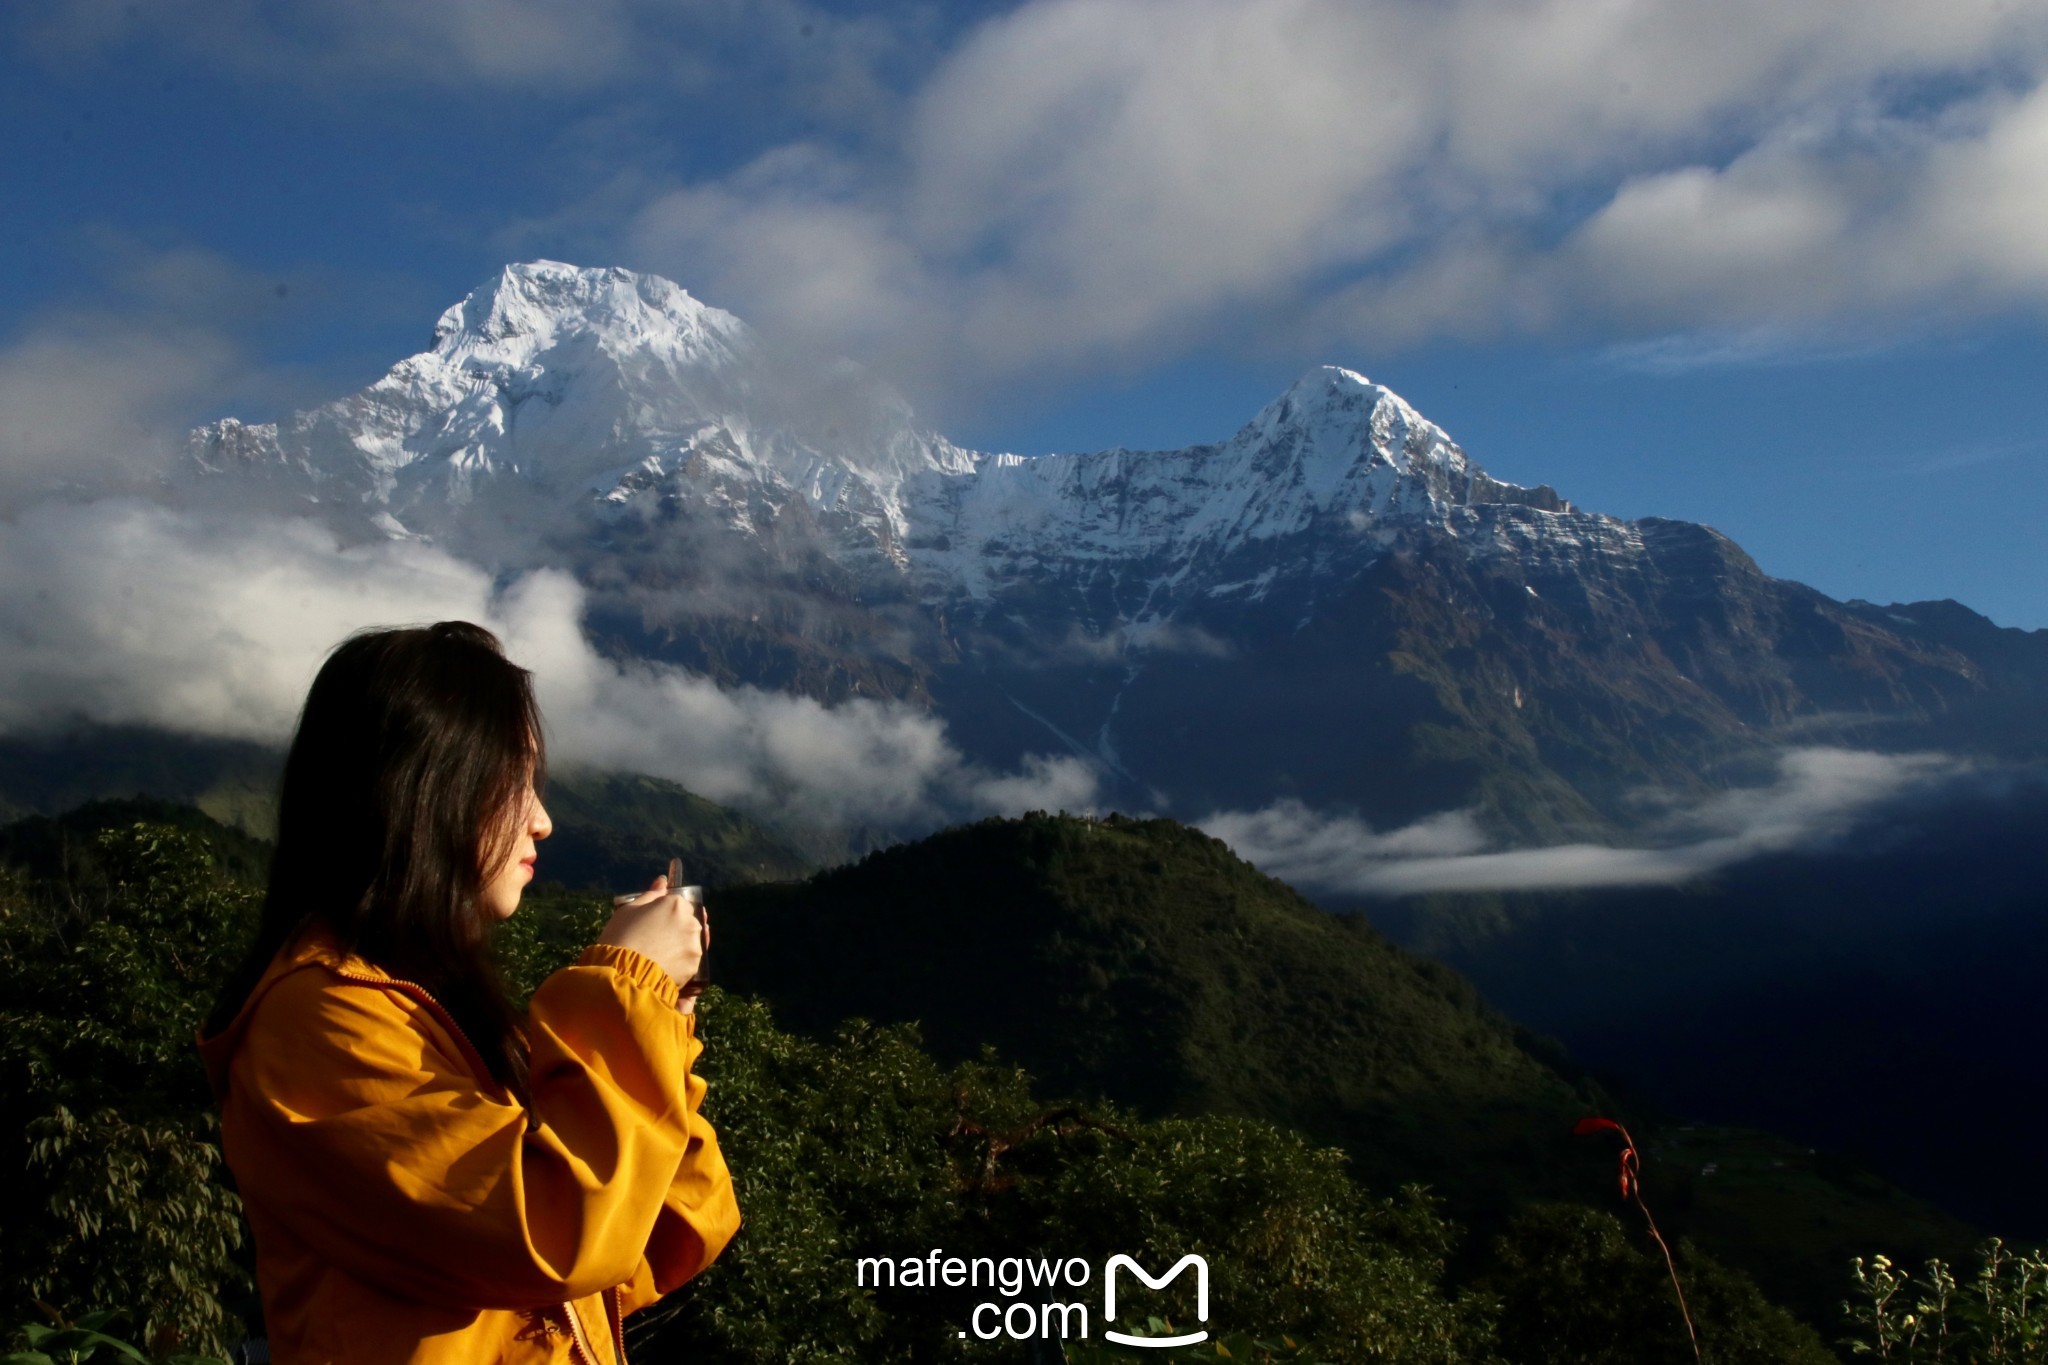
(660,924)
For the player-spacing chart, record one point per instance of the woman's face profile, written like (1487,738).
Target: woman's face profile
(504,883)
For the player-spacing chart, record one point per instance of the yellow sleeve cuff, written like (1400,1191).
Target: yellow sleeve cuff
(635,967)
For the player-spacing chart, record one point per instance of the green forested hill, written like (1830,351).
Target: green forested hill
(1143,961)
(612,830)
(233,781)
(855,1145)
(1141,974)
(65,848)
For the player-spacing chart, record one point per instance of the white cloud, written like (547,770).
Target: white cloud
(96,397)
(1080,180)
(121,611)
(1045,783)
(124,612)
(1758,347)
(1178,637)
(85,402)
(1818,792)
(1290,841)
(1127,644)
(1067,186)
(811,56)
(1064,186)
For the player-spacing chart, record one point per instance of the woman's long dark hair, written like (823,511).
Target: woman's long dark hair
(400,798)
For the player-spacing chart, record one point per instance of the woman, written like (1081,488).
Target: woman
(429,1177)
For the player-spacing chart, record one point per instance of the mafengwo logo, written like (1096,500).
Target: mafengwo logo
(1201,1298)
(1039,1317)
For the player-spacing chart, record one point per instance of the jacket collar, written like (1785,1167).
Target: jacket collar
(313,946)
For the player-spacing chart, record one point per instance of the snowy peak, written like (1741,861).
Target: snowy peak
(1322,476)
(1329,398)
(573,382)
(1334,428)
(532,308)
(1357,448)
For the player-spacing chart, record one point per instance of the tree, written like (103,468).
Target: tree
(114,1186)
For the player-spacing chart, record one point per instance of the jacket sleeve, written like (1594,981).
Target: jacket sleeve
(365,1130)
(700,1213)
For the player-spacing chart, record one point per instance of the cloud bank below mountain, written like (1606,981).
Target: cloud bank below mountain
(1817,794)
(120,611)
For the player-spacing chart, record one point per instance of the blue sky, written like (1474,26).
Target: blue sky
(1778,268)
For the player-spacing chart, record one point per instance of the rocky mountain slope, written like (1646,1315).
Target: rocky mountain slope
(1335,604)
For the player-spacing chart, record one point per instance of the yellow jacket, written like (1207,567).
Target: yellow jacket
(407,1208)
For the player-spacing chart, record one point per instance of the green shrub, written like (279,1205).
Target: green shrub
(72,1343)
(113,1183)
(1999,1314)
(1576,1287)
(863,1146)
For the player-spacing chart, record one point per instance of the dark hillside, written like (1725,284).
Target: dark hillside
(1880,996)
(63,849)
(233,781)
(1143,961)
(852,1145)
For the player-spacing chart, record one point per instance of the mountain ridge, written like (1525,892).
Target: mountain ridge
(1337,598)
(513,367)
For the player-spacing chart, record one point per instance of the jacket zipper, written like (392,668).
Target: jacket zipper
(579,1343)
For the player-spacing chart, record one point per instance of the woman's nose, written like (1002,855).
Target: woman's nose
(538,824)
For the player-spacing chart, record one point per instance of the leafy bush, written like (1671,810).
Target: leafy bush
(2000,1314)
(1575,1287)
(1237,1346)
(113,1182)
(863,1146)
(72,1343)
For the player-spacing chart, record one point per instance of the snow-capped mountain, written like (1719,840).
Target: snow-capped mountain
(1335,454)
(1335,602)
(619,387)
(597,384)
